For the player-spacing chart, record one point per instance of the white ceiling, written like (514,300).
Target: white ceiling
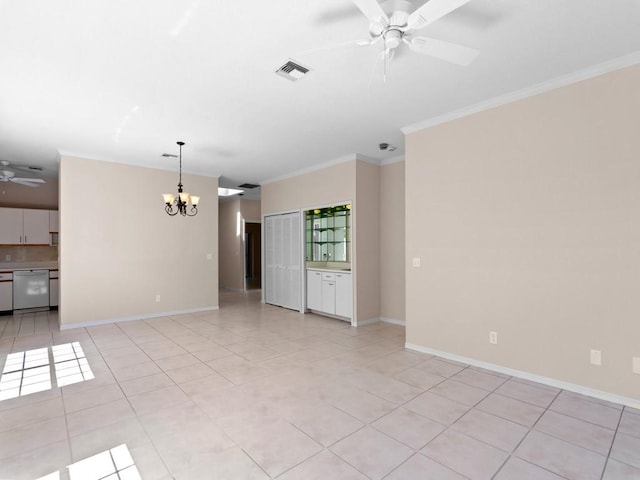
(124,80)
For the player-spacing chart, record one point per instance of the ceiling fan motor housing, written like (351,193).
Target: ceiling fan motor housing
(392,37)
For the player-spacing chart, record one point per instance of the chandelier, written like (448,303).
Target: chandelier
(174,205)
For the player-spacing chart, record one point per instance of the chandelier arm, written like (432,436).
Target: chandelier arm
(169,209)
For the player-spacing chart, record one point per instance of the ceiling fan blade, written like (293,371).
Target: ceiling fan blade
(447,51)
(28,182)
(373,11)
(431,11)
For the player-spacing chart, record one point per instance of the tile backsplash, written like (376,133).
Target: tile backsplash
(28,253)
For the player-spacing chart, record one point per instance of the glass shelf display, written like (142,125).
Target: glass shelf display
(328,234)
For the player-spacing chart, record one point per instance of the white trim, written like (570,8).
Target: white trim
(392,160)
(393,321)
(368,321)
(552,382)
(311,169)
(575,77)
(167,168)
(145,316)
(321,166)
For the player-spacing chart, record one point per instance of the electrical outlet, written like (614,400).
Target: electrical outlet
(416,261)
(157,298)
(209,256)
(636,365)
(596,357)
(7,258)
(493,338)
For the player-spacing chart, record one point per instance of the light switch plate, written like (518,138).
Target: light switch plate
(416,261)
(209,256)
(636,365)
(596,357)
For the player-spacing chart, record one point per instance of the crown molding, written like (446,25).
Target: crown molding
(558,82)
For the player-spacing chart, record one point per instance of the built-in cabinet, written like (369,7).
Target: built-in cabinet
(328,234)
(283,260)
(24,226)
(330,292)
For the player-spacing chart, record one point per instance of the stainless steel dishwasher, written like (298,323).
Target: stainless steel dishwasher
(30,289)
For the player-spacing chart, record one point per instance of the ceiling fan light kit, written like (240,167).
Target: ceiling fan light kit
(180,203)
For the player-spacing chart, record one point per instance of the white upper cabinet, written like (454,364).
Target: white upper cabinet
(11,221)
(24,226)
(54,221)
(36,227)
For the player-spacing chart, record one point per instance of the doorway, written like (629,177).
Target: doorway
(252,258)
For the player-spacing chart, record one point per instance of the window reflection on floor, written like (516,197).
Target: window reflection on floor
(70,364)
(24,373)
(114,464)
(30,371)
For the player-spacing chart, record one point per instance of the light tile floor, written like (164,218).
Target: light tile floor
(255,392)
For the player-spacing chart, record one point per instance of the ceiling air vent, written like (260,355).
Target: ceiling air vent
(292,71)
(248,186)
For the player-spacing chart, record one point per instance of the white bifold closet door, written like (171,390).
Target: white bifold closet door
(283,262)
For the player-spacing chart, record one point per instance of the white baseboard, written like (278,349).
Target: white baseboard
(393,321)
(552,382)
(145,316)
(362,323)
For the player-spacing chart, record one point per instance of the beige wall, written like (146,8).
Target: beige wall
(366,238)
(44,196)
(321,187)
(360,183)
(119,249)
(392,239)
(231,244)
(250,210)
(526,218)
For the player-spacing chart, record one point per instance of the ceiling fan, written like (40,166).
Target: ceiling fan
(401,26)
(9,176)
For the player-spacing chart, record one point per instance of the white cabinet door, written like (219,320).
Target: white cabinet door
(344,295)
(329,296)
(314,290)
(11,221)
(53,292)
(54,221)
(36,227)
(6,296)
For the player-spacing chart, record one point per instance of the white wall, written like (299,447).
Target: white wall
(527,221)
(119,249)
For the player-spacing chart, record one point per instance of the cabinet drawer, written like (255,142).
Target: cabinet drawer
(329,276)
(6,276)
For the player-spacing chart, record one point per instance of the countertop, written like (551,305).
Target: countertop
(12,266)
(334,270)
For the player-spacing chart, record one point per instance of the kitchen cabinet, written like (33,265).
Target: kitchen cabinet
(6,291)
(314,290)
(36,227)
(283,260)
(24,226)
(11,221)
(54,221)
(344,295)
(53,288)
(330,292)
